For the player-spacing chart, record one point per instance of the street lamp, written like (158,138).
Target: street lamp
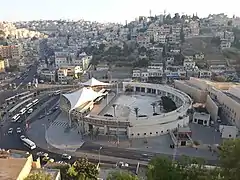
(45,128)
(99,155)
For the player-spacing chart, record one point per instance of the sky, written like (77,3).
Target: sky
(109,10)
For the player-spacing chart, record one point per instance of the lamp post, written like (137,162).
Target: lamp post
(176,147)
(99,155)
(45,128)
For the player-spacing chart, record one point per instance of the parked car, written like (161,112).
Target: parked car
(19,130)
(66,157)
(10,130)
(22,137)
(30,111)
(42,154)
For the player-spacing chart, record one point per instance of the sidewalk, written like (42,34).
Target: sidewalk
(60,136)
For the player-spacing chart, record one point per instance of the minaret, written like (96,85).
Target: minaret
(150,13)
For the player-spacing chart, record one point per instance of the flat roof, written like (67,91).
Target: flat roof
(10,168)
(192,85)
(204,116)
(235,98)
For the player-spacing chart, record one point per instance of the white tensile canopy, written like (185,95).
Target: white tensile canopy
(94,82)
(81,96)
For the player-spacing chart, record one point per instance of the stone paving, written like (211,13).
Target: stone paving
(60,136)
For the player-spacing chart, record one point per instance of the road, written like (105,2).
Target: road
(26,76)
(23,80)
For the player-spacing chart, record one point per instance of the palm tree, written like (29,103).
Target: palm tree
(154,107)
(136,110)
(160,105)
(114,109)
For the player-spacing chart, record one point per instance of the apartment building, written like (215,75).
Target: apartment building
(194,28)
(2,66)
(65,74)
(61,59)
(143,40)
(225,43)
(158,38)
(14,51)
(48,74)
(188,64)
(205,74)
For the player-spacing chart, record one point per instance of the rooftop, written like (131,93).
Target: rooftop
(235,98)
(192,85)
(203,116)
(11,167)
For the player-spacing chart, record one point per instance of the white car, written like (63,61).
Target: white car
(66,157)
(22,137)
(42,154)
(19,130)
(10,130)
(30,111)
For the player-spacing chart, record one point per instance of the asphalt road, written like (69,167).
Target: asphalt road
(23,80)
(27,76)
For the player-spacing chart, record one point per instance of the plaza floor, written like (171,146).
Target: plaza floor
(127,103)
(58,134)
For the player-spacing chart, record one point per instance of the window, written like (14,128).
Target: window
(205,121)
(161,131)
(132,134)
(145,134)
(138,134)
(156,132)
(230,135)
(150,132)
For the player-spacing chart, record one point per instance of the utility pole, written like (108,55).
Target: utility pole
(176,147)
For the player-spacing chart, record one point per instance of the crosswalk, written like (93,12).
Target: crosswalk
(63,124)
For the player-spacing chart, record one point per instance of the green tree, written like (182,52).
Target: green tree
(39,176)
(186,168)
(64,171)
(230,159)
(85,169)
(121,175)
(136,110)
(163,169)
(154,104)
(168,104)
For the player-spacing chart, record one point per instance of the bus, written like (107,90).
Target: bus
(35,101)
(22,111)
(23,94)
(28,106)
(15,118)
(10,100)
(57,92)
(26,96)
(30,144)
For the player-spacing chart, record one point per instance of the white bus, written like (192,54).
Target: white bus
(57,92)
(15,118)
(23,94)
(22,111)
(35,101)
(10,100)
(30,144)
(28,106)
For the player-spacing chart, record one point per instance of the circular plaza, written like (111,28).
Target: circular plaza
(134,110)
